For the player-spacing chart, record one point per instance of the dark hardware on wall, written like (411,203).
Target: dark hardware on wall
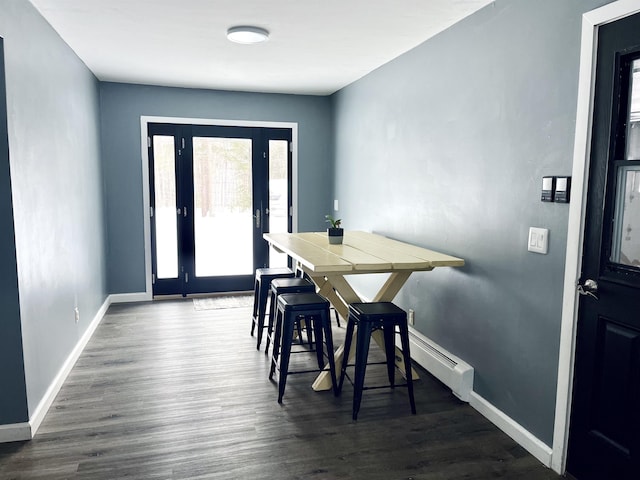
(563,187)
(556,189)
(548,187)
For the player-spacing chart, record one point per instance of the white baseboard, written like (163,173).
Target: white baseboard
(44,405)
(26,431)
(458,376)
(130,297)
(461,384)
(523,437)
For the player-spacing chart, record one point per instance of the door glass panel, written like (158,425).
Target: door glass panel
(278,196)
(223,216)
(633,125)
(626,238)
(164,175)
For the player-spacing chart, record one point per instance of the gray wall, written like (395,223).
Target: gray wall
(54,154)
(121,108)
(13,400)
(455,137)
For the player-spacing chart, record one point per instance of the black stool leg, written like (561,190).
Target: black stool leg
(287,334)
(276,343)
(388,330)
(319,321)
(272,315)
(299,322)
(404,339)
(332,363)
(262,307)
(345,351)
(337,316)
(256,288)
(362,352)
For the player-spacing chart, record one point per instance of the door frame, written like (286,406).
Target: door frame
(145,120)
(591,21)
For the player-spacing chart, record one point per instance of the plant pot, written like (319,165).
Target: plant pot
(335,235)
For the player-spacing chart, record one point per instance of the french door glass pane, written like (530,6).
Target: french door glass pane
(223,216)
(626,228)
(633,125)
(164,174)
(278,196)
(626,238)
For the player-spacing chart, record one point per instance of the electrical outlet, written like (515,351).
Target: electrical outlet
(77,314)
(412,317)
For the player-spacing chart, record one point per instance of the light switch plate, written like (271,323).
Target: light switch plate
(538,240)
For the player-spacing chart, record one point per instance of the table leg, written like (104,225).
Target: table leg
(327,287)
(387,293)
(327,290)
(392,286)
(323,380)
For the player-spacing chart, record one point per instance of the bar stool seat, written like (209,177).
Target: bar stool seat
(280,286)
(369,317)
(262,285)
(291,308)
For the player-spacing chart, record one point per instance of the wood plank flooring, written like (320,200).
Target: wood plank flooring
(163,391)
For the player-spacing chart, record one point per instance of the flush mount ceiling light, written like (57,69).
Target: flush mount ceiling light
(247,35)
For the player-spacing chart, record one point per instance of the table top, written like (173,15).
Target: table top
(360,252)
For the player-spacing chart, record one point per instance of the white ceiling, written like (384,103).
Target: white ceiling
(315,47)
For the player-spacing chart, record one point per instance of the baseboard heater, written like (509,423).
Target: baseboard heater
(446,367)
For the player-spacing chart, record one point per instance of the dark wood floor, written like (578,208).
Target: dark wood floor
(166,392)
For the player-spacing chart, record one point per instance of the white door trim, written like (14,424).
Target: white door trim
(144,122)
(575,235)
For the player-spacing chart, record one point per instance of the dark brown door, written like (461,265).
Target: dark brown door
(604,438)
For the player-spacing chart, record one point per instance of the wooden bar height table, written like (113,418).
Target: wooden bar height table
(360,253)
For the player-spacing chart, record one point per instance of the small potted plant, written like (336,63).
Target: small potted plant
(335,232)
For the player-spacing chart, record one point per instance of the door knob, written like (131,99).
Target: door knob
(589,288)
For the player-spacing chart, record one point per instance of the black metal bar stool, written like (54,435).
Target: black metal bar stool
(280,286)
(291,308)
(262,285)
(369,317)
